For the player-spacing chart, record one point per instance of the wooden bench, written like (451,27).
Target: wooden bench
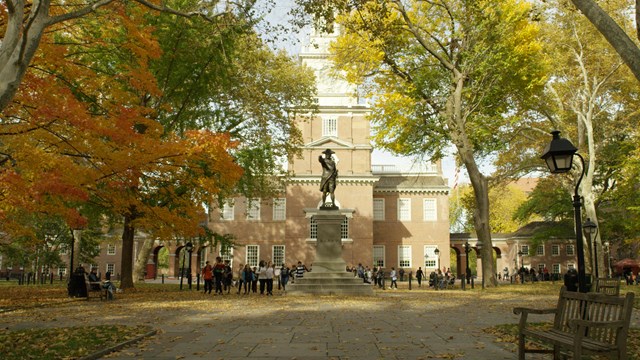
(93,292)
(608,286)
(584,323)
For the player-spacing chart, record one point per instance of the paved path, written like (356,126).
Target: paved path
(390,325)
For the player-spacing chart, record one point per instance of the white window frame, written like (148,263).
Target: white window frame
(112,268)
(541,268)
(378,209)
(404,209)
(279,209)
(404,256)
(111,249)
(379,256)
(430,209)
(62,269)
(313,228)
(278,259)
(226,253)
(558,267)
(344,229)
(571,266)
(249,250)
(253,209)
(431,260)
(228,212)
(524,249)
(555,250)
(573,250)
(540,250)
(330,126)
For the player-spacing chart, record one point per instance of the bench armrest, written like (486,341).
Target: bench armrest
(522,311)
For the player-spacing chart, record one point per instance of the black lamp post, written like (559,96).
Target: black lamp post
(591,229)
(437,252)
(467,248)
(559,158)
(189,248)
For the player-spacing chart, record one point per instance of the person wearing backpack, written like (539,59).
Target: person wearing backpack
(218,274)
(207,275)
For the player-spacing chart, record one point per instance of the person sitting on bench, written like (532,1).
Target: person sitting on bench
(93,280)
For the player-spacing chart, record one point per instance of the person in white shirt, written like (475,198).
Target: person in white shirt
(269,273)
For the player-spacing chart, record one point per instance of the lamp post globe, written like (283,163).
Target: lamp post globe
(559,155)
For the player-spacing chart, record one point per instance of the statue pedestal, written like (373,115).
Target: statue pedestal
(328,274)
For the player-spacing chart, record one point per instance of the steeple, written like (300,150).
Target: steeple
(333,89)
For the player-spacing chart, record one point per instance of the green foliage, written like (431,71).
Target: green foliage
(550,200)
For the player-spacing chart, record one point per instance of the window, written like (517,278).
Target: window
(62,270)
(227,211)
(430,257)
(64,250)
(253,209)
(278,255)
(226,253)
(556,268)
(279,209)
(344,228)
(404,256)
(98,249)
(571,266)
(111,249)
(540,250)
(404,209)
(555,250)
(111,268)
(378,209)
(253,254)
(313,228)
(330,127)
(378,255)
(541,268)
(524,249)
(430,210)
(571,250)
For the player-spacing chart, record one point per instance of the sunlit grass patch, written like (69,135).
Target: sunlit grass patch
(64,343)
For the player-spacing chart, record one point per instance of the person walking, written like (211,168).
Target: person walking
(284,277)
(419,275)
(207,275)
(394,278)
(218,274)
(300,269)
(240,278)
(262,278)
(269,274)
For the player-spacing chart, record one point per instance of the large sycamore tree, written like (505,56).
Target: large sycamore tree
(440,73)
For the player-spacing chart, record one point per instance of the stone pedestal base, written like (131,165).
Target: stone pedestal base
(328,274)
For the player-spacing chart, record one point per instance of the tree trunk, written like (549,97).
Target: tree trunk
(478,180)
(126,273)
(142,258)
(619,40)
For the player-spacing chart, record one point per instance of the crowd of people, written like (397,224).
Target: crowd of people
(249,279)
